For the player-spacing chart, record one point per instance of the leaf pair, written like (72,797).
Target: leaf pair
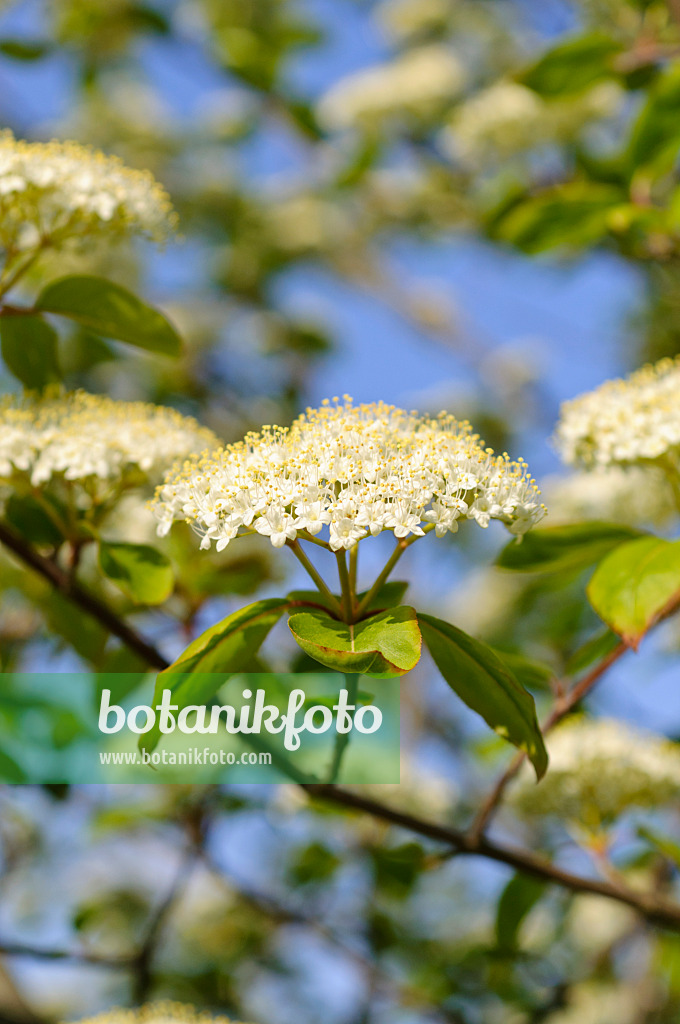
(384,645)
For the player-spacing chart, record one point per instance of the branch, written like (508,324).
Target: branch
(655,911)
(21,949)
(80,596)
(462,843)
(143,961)
(564,704)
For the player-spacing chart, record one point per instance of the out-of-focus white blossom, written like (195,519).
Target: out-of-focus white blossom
(307,223)
(416,83)
(598,1003)
(594,923)
(158,1013)
(86,438)
(508,118)
(405,18)
(61,194)
(504,116)
(635,496)
(625,422)
(351,470)
(601,768)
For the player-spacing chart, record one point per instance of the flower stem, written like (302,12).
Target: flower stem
(304,535)
(319,581)
(399,549)
(342,738)
(11,279)
(345,586)
(353,565)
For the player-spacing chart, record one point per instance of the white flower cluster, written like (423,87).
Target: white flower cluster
(157,1013)
(625,422)
(85,438)
(416,83)
(635,496)
(599,769)
(356,470)
(508,118)
(62,193)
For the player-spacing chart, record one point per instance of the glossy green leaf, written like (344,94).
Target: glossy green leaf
(29,518)
(556,548)
(385,645)
(141,571)
(483,682)
(634,584)
(111,310)
(228,646)
(572,66)
(29,350)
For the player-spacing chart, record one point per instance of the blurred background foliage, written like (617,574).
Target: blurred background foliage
(371,194)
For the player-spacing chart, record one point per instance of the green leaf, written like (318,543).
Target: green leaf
(10,770)
(485,684)
(655,136)
(572,66)
(592,650)
(634,584)
(519,896)
(382,646)
(29,518)
(226,647)
(664,844)
(109,309)
(24,49)
(29,350)
(389,595)
(141,571)
(573,215)
(556,548)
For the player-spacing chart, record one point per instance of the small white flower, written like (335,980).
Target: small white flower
(277,525)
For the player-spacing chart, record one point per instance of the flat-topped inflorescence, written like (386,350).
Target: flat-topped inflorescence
(78,437)
(57,194)
(354,471)
(634,421)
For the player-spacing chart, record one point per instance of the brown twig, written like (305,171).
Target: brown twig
(75,592)
(656,911)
